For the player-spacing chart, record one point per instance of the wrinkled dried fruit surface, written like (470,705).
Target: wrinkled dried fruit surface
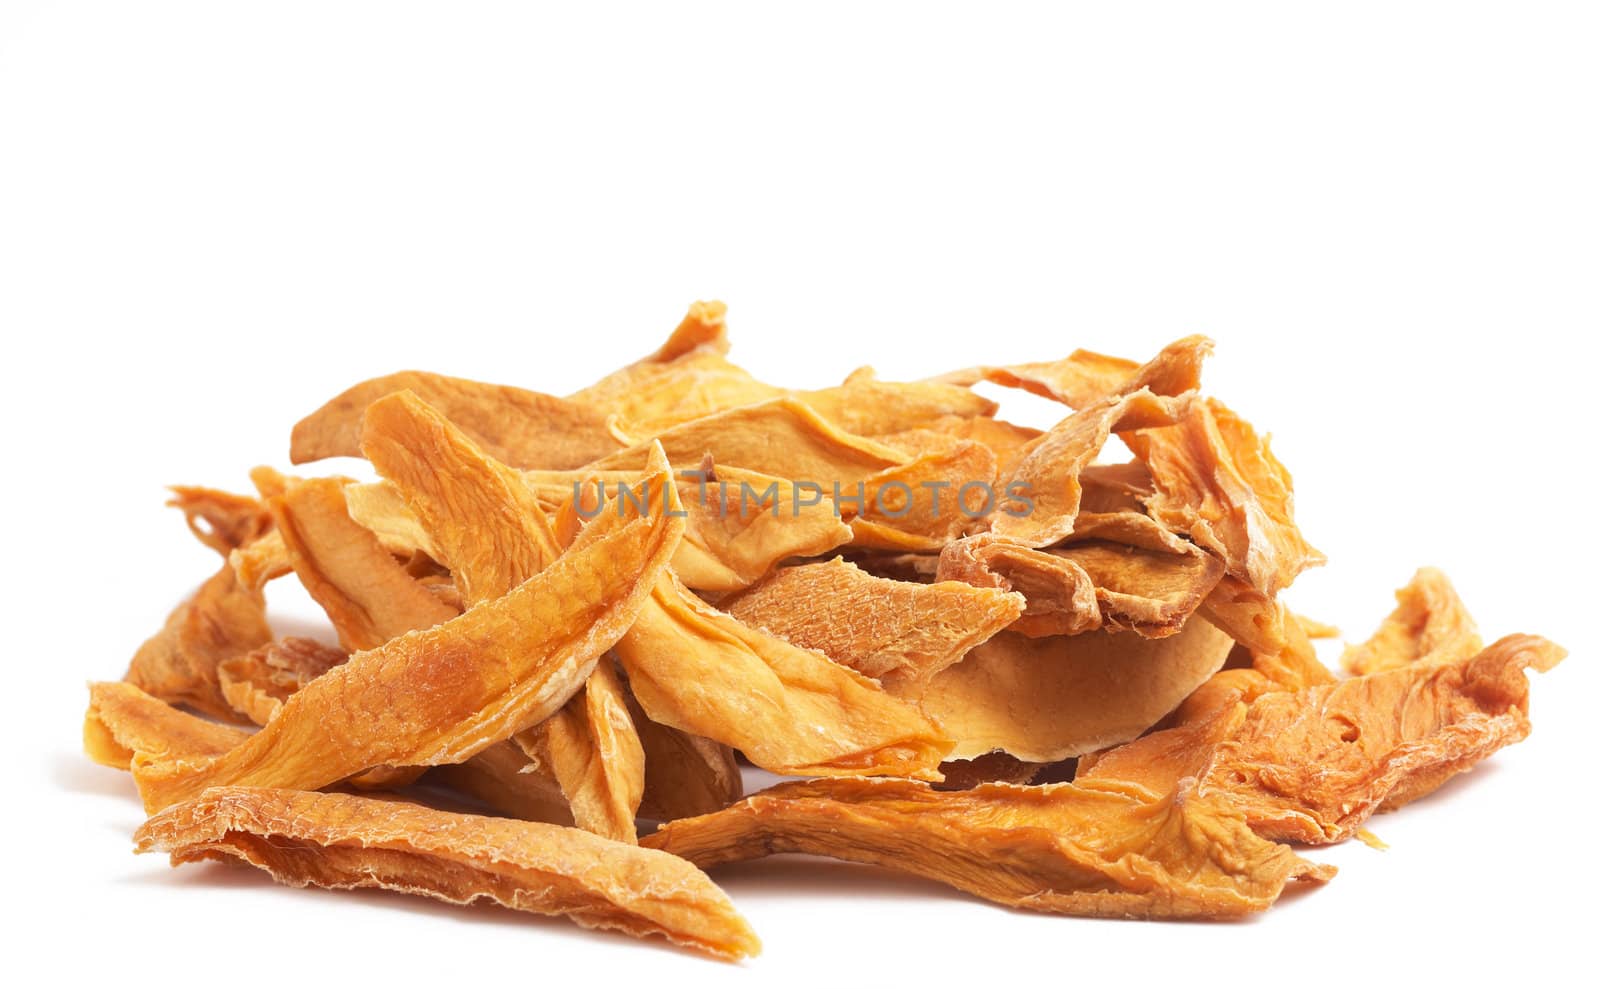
(345,842)
(1047,699)
(442,694)
(258,683)
(123,720)
(1429,625)
(1059,597)
(896,632)
(1096,850)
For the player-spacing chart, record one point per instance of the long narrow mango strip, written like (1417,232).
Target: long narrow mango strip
(1092,850)
(123,720)
(339,841)
(442,694)
(455,489)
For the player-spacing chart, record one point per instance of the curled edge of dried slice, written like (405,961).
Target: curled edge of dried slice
(1059,598)
(258,683)
(1085,377)
(1091,850)
(339,841)
(123,720)
(1429,624)
(518,427)
(222,520)
(442,694)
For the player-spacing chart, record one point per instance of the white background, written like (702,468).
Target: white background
(214,216)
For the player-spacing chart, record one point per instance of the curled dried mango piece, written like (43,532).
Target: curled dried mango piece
(923,504)
(1430,624)
(1218,482)
(1042,495)
(898,633)
(1313,765)
(1047,699)
(789,710)
(518,427)
(442,694)
(367,595)
(223,619)
(123,720)
(685,775)
(1144,579)
(1059,596)
(220,519)
(1279,649)
(1084,377)
(339,841)
(1095,850)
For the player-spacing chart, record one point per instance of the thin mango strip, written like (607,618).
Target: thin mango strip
(338,841)
(1084,377)
(1040,500)
(518,427)
(1218,483)
(1429,624)
(900,634)
(685,775)
(443,694)
(789,710)
(1048,699)
(490,531)
(178,664)
(123,720)
(1094,850)
(367,595)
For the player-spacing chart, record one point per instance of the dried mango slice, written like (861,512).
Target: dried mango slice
(491,532)
(442,694)
(178,664)
(257,683)
(521,428)
(1047,699)
(220,519)
(502,778)
(1149,590)
(258,563)
(1041,497)
(1084,378)
(923,504)
(1060,597)
(783,437)
(789,710)
(592,749)
(1313,765)
(338,841)
(1278,646)
(866,406)
(898,633)
(367,595)
(1218,482)
(1429,625)
(684,775)
(123,720)
(1094,850)
(1008,441)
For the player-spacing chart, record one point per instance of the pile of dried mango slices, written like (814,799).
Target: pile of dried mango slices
(551,611)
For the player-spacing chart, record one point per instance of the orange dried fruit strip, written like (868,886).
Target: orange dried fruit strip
(1149,591)
(1313,765)
(1430,624)
(1040,499)
(258,683)
(684,775)
(923,504)
(123,720)
(501,778)
(442,694)
(1047,699)
(178,664)
(1218,482)
(1085,377)
(518,427)
(339,841)
(368,595)
(896,632)
(1279,648)
(489,530)
(867,406)
(220,519)
(1096,850)
(789,710)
